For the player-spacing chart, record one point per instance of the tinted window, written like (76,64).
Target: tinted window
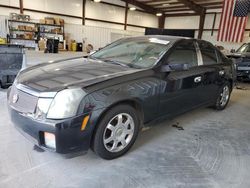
(208,53)
(244,48)
(184,53)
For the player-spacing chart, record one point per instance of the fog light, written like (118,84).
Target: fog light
(50,140)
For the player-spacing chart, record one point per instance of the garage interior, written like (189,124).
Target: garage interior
(202,148)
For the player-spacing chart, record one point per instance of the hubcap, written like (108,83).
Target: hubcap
(119,132)
(224,96)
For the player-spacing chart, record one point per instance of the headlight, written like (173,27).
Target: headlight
(65,104)
(42,109)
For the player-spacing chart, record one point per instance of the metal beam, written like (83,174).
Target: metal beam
(83,11)
(126,17)
(195,7)
(161,20)
(143,6)
(21,6)
(201,25)
(215,15)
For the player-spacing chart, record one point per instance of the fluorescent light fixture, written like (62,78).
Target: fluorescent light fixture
(132,8)
(97,1)
(159,14)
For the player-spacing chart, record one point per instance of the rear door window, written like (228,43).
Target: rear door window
(208,52)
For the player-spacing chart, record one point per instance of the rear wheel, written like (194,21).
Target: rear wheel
(224,97)
(116,132)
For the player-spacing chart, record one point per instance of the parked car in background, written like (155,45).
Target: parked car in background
(242,60)
(12,60)
(101,102)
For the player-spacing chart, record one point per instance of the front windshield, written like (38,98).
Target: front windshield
(137,53)
(244,48)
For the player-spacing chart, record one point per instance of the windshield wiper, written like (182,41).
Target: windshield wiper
(116,62)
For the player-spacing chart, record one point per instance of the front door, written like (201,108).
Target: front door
(180,88)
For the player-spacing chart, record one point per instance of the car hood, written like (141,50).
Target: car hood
(69,73)
(237,54)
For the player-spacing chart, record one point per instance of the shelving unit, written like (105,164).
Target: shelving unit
(21,30)
(22,39)
(25,22)
(27,37)
(46,30)
(40,30)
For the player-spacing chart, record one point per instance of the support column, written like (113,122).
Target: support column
(126,17)
(201,25)
(215,15)
(21,6)
(161,21)
(83,11)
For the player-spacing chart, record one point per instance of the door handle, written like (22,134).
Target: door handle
(221,72)
(197,79)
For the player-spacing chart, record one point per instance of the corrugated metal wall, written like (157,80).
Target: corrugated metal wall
(3,27)
(97,36)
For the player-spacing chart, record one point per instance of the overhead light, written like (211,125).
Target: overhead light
(132,8)
(159,14)
(97,1)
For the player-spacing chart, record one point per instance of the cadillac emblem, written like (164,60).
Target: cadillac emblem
(15,98)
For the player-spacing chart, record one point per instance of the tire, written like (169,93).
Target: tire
(119,137)
(223,97)
(2,85)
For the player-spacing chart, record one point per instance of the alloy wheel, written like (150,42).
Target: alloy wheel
(119,132)
(224,95)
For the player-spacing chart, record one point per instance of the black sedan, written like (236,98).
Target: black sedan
(101,102)
(242,60)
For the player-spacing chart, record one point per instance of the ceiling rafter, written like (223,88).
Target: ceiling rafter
(193,6)
(143,6)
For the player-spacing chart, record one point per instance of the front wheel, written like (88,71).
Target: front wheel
(223,98)
(116,132)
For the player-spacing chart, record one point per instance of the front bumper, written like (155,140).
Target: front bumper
(68,135)
(244,74)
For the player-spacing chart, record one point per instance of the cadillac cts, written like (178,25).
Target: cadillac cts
(101,102)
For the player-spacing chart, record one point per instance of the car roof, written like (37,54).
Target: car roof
(169,38)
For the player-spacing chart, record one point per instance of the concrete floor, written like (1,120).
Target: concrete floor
(213,150)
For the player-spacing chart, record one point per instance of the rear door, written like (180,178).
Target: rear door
(212,71)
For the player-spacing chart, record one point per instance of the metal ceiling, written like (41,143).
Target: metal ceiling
(178,6)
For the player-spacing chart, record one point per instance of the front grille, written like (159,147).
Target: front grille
(21,101)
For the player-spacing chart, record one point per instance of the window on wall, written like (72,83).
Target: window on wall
(208,52)
(184,53)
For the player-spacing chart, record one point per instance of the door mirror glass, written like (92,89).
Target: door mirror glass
(174,67)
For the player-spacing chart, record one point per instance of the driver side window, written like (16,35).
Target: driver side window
(184,53)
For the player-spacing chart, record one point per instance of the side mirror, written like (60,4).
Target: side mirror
(233,51)
(174,67)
